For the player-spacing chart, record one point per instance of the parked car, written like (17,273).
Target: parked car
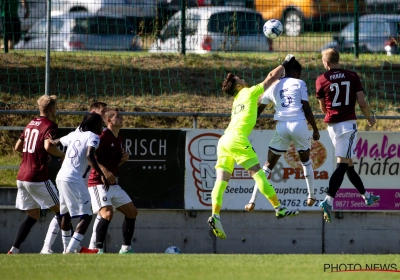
(128,8)
(82,31)
(211,29)
(375,32)
(133,9)
(319,15)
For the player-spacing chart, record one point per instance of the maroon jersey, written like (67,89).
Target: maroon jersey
(338,88)
(33,167)
(108,154)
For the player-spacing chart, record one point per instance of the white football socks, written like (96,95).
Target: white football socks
(309,177)
(329,200)
(52,233)
(93,238)
(76,239)
(366,195)
(66,238)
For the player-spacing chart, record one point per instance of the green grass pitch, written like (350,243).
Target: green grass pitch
(194,266)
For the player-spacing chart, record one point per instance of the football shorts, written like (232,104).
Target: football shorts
(344,138)
(233,148)
(115,197)
(32,195)
(287,131)
(74,198)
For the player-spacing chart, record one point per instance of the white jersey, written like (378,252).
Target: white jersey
(287,95)
(75,163)
(87,172)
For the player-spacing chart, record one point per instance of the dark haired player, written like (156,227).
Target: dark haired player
(99,108)
(110,155)
(234,145)
(290,98)
(74,195)
(337,92)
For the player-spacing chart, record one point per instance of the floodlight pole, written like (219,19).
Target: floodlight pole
(48,38)
(183,27)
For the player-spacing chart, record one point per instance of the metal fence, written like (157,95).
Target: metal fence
(129,53)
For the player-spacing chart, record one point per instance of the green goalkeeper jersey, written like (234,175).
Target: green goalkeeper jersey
(244,110)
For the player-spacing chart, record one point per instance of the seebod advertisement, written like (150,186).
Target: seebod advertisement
(377,161)
(287,176)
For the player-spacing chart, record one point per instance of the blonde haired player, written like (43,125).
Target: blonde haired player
(35,190)
(338,90)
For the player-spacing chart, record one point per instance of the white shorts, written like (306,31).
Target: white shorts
(115,197)
(74,198)
(344,138)
(32,195)
(287,131)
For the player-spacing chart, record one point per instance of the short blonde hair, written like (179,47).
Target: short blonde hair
(47,102)
(331,55)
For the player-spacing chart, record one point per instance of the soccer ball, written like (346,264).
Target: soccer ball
(273,28)
(172,250)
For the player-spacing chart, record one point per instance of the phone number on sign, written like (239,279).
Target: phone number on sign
(296,202)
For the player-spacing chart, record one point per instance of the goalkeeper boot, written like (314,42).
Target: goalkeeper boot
(283,212)
(216,225)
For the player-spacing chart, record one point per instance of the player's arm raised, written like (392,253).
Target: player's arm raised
(276,73)
(365,108)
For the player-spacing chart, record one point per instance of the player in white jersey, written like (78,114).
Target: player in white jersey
(74,195)
(290,98)
(99,108)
